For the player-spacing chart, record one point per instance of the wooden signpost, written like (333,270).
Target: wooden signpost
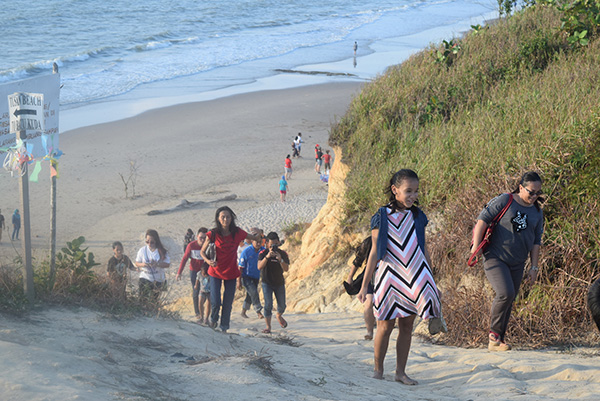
(26,112)
(29,127)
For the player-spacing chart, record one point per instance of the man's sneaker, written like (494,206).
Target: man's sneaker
(495,344)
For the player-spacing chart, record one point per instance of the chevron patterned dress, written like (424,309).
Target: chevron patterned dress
(404,283)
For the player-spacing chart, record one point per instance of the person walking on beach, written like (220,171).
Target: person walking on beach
(517,236)
(272,262)
(224,271)
(189,237)
(355,47)
(152,259)
(192,251)
(117,267)
(361,254)
(250,278)
(327,162)
(294,150)
(318,159)
(2,225)
(283,187)
(287,166)
(298,141)
(16,222)
(404,285)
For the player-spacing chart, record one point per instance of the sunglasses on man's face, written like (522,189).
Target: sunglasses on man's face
(533,193)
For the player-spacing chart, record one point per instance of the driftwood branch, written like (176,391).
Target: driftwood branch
(185,205)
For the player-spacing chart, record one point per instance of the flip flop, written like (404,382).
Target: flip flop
(266,331)
(282,321)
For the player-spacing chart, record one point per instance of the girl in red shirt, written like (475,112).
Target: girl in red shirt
(223,270)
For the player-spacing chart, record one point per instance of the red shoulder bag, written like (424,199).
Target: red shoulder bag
(488,233)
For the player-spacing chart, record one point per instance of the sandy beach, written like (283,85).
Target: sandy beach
(199,152)
(202,152)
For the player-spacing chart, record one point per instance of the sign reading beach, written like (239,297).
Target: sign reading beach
(26,113)
(31,106)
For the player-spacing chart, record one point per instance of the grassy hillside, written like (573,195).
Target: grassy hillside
(470,116)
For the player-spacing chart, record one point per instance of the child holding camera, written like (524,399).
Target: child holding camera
(272,262)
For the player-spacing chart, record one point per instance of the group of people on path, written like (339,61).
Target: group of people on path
(229,257)
(323,163)
(398,280)
(216,270)
(16,222)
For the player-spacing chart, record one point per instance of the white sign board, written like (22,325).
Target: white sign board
(40,143)
(26,113)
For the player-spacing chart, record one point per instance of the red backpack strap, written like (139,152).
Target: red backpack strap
(473,259)
(503,211)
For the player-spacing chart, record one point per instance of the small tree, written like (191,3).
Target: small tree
(131,180)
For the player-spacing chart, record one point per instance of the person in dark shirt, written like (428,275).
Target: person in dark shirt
(117,267)
(361,255)
(272,262)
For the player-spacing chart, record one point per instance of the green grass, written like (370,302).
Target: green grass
(515,97)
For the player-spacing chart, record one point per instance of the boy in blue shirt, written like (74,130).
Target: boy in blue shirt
(250,278)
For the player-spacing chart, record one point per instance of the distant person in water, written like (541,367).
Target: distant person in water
(355,48)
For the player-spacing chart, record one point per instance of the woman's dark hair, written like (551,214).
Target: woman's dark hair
(530,176)
(161,249)
(218,227)
(116,244)
(396,180)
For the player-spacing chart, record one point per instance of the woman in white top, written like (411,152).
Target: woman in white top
(152,259)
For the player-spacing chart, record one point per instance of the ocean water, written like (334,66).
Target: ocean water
(124,48)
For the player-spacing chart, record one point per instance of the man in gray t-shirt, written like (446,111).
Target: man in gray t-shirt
(517,236)
(518,231)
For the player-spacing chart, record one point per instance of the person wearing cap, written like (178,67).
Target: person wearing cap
(272,262)
(318,159)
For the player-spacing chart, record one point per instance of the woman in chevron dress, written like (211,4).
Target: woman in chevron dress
(404,285)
